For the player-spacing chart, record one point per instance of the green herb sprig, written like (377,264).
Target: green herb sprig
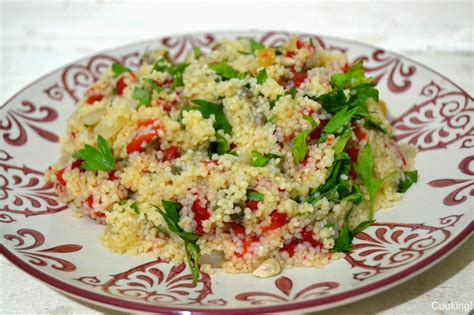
(408,179)
(100,159)
(261,160)
(118,69)
(343,242)
(299,148)
(191,249)
(207,109)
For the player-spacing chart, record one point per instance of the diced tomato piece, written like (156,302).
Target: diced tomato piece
(278,220)
(290,54)
(288,137)
(305,160)
(300,44)
(252,205)
(147,123)
(112,175)
(76,164)
(167,106)
(247,242)
(299,78)
(92,98)
(354,154)
(290,247)
(345,67)
(200,214)
(165,84)
(89,201)
(238,229)
(59,177)
(306,236)
(120,86)
(138,143)
(170,153)
(360,134)
(99,215)
(317,131)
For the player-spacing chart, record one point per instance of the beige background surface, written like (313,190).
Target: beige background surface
(39,36)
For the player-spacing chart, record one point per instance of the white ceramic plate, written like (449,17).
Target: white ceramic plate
(40,236)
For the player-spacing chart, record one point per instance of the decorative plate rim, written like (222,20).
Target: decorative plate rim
(332,301)
(328,301)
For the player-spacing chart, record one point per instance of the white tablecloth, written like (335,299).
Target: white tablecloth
(38,36)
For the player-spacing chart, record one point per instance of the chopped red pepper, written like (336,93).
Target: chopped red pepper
(252,205)
(200,214)
(59,177)
(247,242)
(140,141)
(360,134)
(76,164)
(299,78)
(300,44)
(170,153)
(306,236)
(112,175)
(89,201)
(92,98)
(278,220)
(316,133)
(354,154)
(120,86)
(290,54)
(238,229)
(99,215)
(345,68)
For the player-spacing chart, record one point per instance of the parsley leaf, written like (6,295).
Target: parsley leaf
(262,76)
(341,143)
(339,120)
(298,150)
(354,76)
(343,242)
(292,91)
(176,71)
(374,123)
(337,188)
(254,195)
(273,103)
(153,85)
(161,65)
(171,217)
(143,95)
(254,46)
(220,146)
(364,169)
(134,207)
(100,159)
(207,109)
(360,90)
(224,70)
(118,69)
(260,160)
(407,180)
